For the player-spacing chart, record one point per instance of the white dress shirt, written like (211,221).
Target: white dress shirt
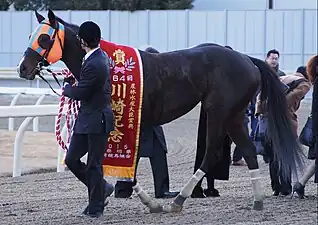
(89,53)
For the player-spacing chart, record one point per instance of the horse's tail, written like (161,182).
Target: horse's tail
(287,151)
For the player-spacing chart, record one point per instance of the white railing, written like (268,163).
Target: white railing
(30,111)
(12,71)
(11,74)
(27,91)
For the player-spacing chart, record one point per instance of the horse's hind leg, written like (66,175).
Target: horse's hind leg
(240,137)
(215,136)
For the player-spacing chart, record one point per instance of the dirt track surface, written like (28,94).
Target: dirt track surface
(59,198)
(33,151)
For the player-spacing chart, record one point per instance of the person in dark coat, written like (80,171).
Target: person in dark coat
(312,169)
(153,146)
(95,119)
(220,171)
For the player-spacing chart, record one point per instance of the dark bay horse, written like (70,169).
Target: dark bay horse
(223,80)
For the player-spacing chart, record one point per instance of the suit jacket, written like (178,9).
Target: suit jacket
(93,90)
(148,137)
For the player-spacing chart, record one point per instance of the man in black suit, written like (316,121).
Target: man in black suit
(95,119)
(153,146)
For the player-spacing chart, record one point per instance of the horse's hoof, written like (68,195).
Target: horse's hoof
(172,207)
(155,207)
(258,205)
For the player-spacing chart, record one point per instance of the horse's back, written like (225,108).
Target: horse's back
(184,77)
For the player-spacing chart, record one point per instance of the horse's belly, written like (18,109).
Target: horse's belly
(176,102)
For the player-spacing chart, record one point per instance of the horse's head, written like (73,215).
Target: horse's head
(51,41)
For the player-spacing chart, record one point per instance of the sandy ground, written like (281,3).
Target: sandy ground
(59,198)
(39,150)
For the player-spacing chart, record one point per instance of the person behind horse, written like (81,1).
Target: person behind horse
(153,145)
(298,87)
(272,59)
(220,171)
(95,119)
(312,168)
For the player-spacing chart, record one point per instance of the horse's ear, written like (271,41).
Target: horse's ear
(39,17)
(52,17)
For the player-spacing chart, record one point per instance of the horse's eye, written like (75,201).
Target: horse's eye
(45,41)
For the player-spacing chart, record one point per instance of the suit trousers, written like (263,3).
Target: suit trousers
(159,168)
(90,174)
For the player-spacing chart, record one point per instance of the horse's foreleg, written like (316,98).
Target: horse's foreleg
(154,206)
(239,134)
(176,205)
(143,196)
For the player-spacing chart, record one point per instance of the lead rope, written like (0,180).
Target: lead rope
(73,108)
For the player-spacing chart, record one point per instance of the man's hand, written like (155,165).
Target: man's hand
(69,80)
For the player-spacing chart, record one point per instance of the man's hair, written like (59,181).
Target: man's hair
(229,47)
(90,32)
(273,51)
(302,70)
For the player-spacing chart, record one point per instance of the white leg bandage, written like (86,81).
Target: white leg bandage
(256,185)
(145,199)
(310,171)
(188,188)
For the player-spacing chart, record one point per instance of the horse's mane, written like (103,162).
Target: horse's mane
(73,27)
(312,68)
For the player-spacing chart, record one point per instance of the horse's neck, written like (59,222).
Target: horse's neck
(74,68)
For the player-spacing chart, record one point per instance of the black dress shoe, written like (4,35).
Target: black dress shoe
(285,193)
(299,189)
(123,189)
(198,192)
(168,194)
(94,215)
(275,193)
(108,190)
(211,192)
